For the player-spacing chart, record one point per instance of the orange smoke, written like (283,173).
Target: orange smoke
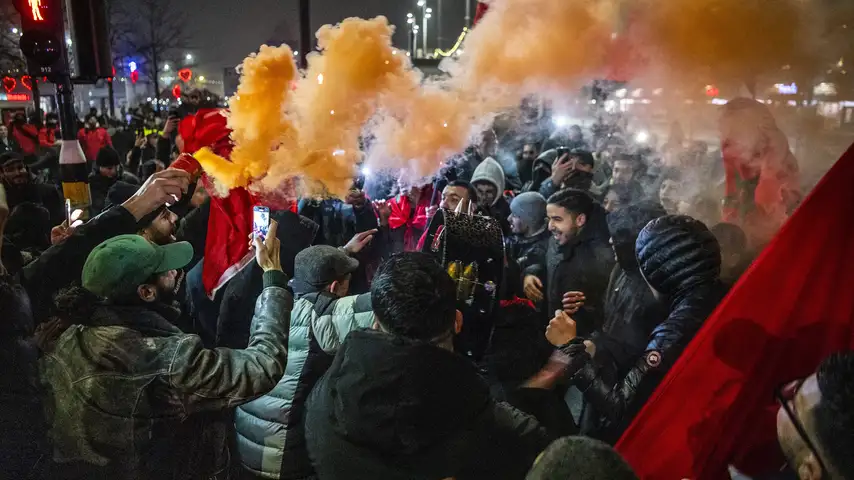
(256,117)
(334,100)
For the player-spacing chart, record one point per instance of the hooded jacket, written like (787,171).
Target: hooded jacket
(490,171)
(396,409)
(631,310)
(270,430)
(680,259)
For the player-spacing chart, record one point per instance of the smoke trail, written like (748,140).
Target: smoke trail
(257,117)
(334,100)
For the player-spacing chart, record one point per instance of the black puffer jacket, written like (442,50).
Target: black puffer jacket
(631,310)
(681,260)
(395,409)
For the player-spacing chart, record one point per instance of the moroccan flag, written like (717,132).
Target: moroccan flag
(790,310)
(480,12)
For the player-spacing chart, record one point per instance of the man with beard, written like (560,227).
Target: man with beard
(578,259)
(21,188)
(488,180)
(525,164)
(815,421)
(131,394)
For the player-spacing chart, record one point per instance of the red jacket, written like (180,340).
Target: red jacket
(47,136)
(27,137)
(92,141)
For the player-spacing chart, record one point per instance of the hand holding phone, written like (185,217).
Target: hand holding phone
(260,222)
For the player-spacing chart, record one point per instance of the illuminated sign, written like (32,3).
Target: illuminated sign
(784,89)
(824,88)
(36,9)
(712,91)
(14,97)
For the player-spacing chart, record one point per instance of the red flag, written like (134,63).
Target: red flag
(480,12)
(790,310)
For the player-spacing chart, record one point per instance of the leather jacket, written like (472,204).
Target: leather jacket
(130,396)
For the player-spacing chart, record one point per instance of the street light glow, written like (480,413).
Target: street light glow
(15,30)
(202,78)
(410,20)
(408,15)
(428,16)
(189,57)
(166,67)
(429,10)
(421,3)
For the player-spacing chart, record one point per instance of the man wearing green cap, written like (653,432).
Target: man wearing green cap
(128,390)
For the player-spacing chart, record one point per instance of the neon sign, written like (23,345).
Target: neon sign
(14,97)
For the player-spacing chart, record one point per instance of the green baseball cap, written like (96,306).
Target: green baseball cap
(121,264)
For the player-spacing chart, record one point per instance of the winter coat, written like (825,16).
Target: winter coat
(339,222)
(392,408)
(92,141)
(523,253)
(42,194)
(23,445)
(61,265)
(270,430)
(99,185)
(680,259)
(582,265)
(126,391)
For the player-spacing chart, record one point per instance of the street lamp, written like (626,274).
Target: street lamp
(415,40)
(410,19)
(426,16)
(166,67)
(188,57)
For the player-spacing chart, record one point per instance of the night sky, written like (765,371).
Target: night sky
(225,31)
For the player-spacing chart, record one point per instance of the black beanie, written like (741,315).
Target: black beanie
(625,225)
(107,157)
(677,252)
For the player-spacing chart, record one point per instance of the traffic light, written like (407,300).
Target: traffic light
(43,39)
(86,56)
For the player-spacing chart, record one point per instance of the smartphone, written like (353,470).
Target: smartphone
(261,222)
(68,211)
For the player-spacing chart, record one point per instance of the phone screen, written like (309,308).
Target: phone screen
(261,222)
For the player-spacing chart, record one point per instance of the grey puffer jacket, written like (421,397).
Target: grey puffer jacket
(270,430)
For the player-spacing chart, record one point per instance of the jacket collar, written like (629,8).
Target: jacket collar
(155,318)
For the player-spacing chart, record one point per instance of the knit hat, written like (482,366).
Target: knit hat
(490,171)
(625,225)
(677,252)
(107,157)
(9,158)
(530,207)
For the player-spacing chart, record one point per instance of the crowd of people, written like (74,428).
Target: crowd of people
(351,346)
